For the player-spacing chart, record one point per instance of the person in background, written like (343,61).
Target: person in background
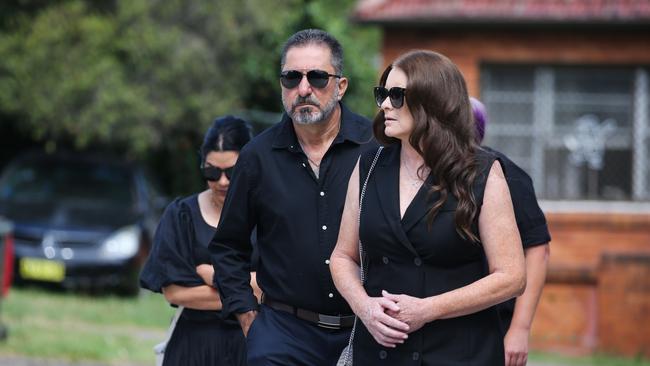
(437,226)
(290,183)
(517,316)
(179,265)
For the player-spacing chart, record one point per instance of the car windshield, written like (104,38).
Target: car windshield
(55,181)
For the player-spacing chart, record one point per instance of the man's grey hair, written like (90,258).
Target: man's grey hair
(307,37)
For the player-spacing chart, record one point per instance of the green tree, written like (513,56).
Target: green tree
(141,77)
(361,48)
(133,77)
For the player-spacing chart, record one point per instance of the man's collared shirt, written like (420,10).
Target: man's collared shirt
(297,216)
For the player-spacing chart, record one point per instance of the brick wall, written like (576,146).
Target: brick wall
(624,304)
(468,48)
(580,240)
(603,309)
(566,319)
(598,287)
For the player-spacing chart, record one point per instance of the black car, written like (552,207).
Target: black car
(80,221)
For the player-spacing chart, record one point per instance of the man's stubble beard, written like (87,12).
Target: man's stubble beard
(304,116)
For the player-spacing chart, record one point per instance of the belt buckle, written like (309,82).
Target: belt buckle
(329,322)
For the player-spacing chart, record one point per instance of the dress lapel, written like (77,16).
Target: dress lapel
(387,177)
(419,206)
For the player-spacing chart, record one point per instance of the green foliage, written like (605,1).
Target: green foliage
(361,48)
(148,76)
(132,77)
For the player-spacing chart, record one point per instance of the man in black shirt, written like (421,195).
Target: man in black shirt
(290,182)
(517,316)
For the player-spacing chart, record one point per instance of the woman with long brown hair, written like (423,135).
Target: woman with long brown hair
(439,238)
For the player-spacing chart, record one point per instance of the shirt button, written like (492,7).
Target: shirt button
(383,354)
(384,259)
(291,147)
(324,227)
(330,295)
(322,194)
(416,356)
(327,261)
(417,261)
(304,165)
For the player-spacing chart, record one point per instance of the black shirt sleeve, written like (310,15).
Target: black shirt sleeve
(231,248)
(171,260)
(531,221)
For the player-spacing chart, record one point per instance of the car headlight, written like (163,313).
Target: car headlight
(122,244)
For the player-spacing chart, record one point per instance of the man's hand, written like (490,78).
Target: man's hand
(516,346)
(245,320)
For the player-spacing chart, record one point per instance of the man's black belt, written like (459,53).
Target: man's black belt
(322,320)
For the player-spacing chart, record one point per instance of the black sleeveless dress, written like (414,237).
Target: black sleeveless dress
(181,243)
(406,257)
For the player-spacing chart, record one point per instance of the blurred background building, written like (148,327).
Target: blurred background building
(566,86)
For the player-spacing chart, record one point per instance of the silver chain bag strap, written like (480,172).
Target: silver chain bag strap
(346,355)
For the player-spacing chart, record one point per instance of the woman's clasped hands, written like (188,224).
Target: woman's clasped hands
(412,310)
(385,329)
(390,318)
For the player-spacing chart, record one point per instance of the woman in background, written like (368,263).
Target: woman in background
(517,317)
(179,265)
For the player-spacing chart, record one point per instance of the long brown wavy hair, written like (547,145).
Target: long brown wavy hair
(443,133)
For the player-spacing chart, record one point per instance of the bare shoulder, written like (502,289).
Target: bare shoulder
(496,184)
(496,171)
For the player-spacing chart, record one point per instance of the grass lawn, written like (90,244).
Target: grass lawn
(55,324)
(115,330)
(595,360)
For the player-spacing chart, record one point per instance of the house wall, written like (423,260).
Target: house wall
(598,286)
(468,48)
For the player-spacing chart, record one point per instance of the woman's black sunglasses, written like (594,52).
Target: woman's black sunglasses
(396,95)
(316,78)
(213,173)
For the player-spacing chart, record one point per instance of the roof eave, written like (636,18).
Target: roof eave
(433,23)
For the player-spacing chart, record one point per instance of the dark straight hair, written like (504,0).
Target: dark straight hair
(443,133)
(307,37)
(227,133)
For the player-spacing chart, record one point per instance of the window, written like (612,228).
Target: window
(582,133)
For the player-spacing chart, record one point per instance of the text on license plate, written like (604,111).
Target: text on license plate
(42,269)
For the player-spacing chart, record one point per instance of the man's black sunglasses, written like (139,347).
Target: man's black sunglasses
(213,173)
(396,95)
(316,78)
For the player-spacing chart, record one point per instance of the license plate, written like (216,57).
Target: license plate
(42,269)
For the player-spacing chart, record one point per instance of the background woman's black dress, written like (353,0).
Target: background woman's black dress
(181,243)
